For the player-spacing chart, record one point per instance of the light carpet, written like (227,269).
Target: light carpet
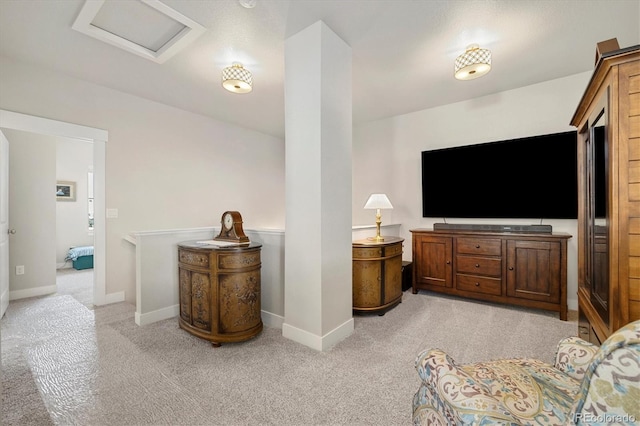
(65,364)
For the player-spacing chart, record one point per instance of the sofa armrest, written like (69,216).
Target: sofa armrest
(574,355)
(456,394)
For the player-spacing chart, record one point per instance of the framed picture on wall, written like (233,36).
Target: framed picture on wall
(65,191)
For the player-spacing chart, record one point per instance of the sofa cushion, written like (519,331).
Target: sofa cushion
(534,392)
(574,356)
(508,391)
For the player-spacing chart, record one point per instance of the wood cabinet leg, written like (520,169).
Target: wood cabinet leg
(216,344)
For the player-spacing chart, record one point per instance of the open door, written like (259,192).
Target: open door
(4,224)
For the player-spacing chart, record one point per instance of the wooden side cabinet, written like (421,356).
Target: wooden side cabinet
(219,291)
(513,268)
(377,275)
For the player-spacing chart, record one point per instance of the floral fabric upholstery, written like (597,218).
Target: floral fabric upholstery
(611,386)
(586,385)
(574,356)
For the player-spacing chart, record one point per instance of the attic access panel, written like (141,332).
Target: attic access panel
(147,28)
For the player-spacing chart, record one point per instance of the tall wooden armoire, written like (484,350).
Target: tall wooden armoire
(608,123)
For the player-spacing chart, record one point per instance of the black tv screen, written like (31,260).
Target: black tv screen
(530,178)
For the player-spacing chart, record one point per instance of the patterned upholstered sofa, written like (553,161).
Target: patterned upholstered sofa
(587,385)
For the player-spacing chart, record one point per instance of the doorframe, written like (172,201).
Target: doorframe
(99,137)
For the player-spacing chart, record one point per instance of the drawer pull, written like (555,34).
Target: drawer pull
(477,265)
(477,245)
(477,284)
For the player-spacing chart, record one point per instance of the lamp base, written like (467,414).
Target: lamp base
(378,239)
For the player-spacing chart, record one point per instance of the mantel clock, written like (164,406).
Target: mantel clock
(231,228)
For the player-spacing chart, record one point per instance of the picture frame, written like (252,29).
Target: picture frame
(65,191)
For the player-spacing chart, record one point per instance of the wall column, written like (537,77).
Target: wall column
(318,128)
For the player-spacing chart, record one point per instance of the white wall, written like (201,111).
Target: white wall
(387,153)
(32,213)
(74,158)
(165,168)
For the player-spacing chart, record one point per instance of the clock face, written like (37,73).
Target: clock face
(228,221)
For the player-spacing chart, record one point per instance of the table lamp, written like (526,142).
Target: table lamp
(378,201)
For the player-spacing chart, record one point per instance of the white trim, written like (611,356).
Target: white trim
(385,225)
(188,35)
(132,237)
(158,315)
(319,343)
(32,292)
(272,320)
(99,137)
(31,123)
(116,297)
(268,319)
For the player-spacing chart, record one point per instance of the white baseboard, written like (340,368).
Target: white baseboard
(158,315)
(112,298)
(32,292)
(268,319)
(319,343)
(272,320)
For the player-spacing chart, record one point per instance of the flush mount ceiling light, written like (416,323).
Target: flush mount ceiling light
(473,63)
(249,4)
(147,28)
(236,79)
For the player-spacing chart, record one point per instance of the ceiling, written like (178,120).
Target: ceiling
(403,51)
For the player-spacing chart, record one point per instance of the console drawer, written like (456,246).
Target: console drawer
(393,250)
(474,265)
(366,252)
(193,258)
(479,284)
(481,246)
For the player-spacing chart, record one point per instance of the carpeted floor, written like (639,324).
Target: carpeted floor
(76,283)
(68,365)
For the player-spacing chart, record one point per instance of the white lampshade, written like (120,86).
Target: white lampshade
(378,201)
(473,63)
(237,79)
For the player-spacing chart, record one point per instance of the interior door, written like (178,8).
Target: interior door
(4,224)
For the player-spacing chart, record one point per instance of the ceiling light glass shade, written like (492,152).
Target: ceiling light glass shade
(378,201)
(236,79)
(249,4)
(473,63)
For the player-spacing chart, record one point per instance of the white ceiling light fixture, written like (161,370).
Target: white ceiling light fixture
(147,28)
(249,4)
(237,79)
(473,63)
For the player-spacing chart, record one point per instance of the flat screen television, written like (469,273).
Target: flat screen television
(529,178)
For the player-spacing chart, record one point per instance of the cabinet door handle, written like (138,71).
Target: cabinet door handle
(448,262)
(511,268)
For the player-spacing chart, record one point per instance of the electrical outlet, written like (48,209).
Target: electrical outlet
(19,269)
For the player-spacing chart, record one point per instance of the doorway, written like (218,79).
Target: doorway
(98,138)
